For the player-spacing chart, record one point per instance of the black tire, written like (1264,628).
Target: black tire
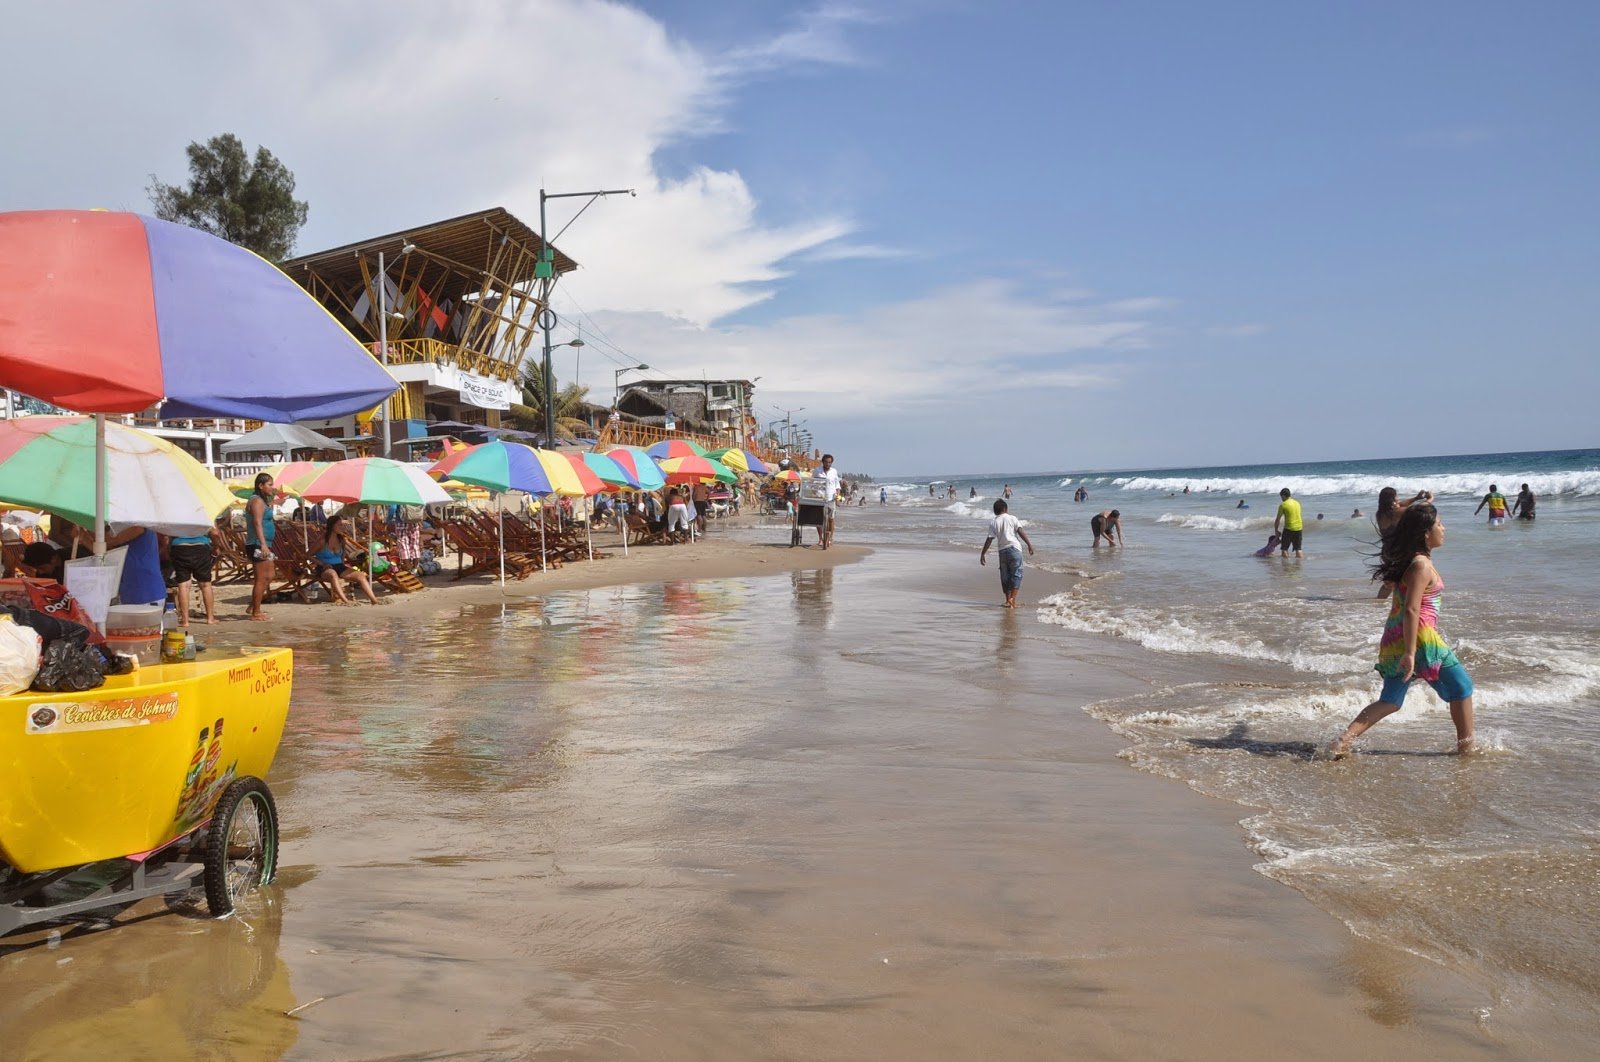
(241,844)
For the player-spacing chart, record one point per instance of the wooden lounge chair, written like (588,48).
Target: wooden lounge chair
(484,554)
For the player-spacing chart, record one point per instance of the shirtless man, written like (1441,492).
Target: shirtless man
(1105,523)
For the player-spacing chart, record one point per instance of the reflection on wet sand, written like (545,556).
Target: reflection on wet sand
(793,817)
(169,985)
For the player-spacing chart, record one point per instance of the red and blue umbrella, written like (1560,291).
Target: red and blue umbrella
(108,312)
(675,448)
(642,465)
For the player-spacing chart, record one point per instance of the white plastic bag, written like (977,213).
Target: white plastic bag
(19,656)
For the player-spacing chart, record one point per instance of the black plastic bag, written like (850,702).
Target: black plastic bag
(50,628)
(69,668)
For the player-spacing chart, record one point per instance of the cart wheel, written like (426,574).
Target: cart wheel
(241,852)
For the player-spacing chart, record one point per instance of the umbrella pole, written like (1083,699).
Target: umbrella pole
(622,519)
(588,525)
(100,486)
(372,547)
(500,524)
(544,561)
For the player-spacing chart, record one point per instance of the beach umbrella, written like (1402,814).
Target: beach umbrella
(283,476)
(110,312)
(789,475)
(740,460)
(675,448)
(641,464)
(371,481)
(696,470)
(49,463)
(497,466)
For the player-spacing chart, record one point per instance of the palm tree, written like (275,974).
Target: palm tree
(570,400)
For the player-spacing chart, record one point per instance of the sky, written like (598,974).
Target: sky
(947,236)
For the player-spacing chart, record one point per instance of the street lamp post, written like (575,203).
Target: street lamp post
(383,332)
(788,425)
(616,380)
(545,271)
(550,399)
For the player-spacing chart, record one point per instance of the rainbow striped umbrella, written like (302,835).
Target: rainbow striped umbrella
(283,475)
(49,463)
(675,448)
(607,471)
(641,464)
(498,466)
(370,481)
(697,470)
(574,479)
(740,460)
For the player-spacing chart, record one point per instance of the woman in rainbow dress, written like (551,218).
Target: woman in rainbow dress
(1411,647)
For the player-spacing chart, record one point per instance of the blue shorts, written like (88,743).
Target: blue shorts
(1010,569)
(1453,684)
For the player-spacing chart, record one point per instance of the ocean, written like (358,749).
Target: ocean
(1487,865)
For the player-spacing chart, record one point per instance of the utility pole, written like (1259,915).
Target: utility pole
(545,272)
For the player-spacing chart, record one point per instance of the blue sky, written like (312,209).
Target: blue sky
(1008,237)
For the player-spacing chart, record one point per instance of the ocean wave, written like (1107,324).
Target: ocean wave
(1199,522)
(1170,634)
(1580,483)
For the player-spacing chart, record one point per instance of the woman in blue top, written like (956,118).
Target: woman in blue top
(332,568)
(259,532)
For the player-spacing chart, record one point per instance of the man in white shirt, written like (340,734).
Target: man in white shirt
(826,471)
(1005,530)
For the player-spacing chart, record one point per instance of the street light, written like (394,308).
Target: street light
(616,380)
(383,331)
(545,271)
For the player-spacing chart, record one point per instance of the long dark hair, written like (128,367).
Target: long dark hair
(333,522)
(1402,545)
(1386,499)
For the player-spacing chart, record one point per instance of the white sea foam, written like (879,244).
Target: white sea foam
(1167,633)
(1200,522)
(1583,483)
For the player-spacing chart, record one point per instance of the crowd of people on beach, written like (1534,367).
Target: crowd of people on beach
(1410,530)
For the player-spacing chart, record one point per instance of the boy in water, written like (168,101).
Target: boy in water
(1005,529)
(1497,506)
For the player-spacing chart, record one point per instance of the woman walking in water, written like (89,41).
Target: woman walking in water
(1411,647)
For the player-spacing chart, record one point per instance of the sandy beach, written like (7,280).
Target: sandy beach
(732,800)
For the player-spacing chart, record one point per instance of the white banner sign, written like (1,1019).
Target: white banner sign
(483,392)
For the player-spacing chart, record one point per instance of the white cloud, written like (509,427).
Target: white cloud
(424,109)
(839,251)
(942,348)
(820,36)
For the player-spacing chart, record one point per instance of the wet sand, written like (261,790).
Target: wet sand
(827,813)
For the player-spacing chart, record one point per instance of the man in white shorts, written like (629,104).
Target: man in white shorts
(677,513)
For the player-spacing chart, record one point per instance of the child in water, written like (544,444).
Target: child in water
(1411,647)
(1272,544)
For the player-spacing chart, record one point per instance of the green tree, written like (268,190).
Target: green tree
(570,400)
(250,203)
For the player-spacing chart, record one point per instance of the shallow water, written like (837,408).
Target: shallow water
(836,813)
(1487,866)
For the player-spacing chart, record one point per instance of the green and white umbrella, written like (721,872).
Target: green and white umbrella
(49,463)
